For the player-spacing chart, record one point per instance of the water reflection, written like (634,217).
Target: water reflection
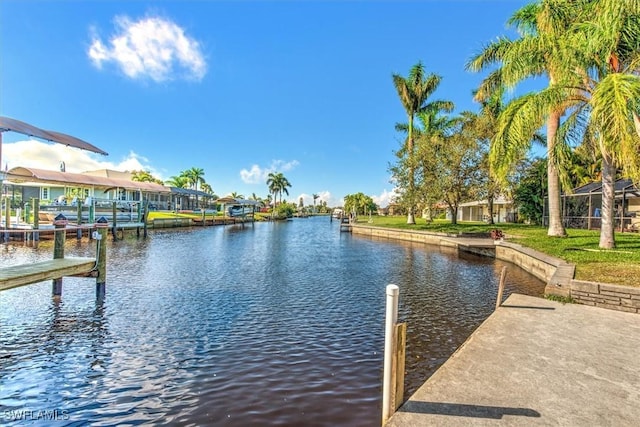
(272,324)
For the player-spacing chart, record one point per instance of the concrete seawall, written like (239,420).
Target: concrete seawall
(536,362)
(556,273)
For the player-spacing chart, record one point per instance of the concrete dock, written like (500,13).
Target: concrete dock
(536,362)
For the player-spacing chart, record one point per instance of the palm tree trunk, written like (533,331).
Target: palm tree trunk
(410,217)
(556,229)
(607,239)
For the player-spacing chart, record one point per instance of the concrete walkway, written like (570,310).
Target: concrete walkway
(536,362)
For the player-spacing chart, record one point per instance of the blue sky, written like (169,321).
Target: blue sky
(237,88)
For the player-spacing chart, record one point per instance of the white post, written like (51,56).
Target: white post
(388,381)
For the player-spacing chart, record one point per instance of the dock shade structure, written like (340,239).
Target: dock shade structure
(8,124)
(238,207)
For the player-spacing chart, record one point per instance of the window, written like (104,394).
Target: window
(86,193)
(44,193)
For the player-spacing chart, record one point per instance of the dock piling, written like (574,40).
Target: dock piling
(503,275)
(59,223)
(100,235)
(394,356)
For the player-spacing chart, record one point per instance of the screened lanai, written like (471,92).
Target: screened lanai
(582,208)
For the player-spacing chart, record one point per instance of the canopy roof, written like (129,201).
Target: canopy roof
(189,192)
(22,174)
(621,186)
(8,124)
(233,201)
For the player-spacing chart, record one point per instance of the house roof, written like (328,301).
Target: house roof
(22,174)
(9,124)
(621,185)
(189,192)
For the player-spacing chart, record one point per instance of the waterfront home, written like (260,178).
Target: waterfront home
(582,207)
(60,187)
(478,210)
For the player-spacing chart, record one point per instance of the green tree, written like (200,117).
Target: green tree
(144,176)
(413,91)
(530,192)
(605,109)
(177,181)
(541,50)
(278,184)
(315,196)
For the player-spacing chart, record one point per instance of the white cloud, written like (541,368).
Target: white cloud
(41,155)
(323,196)
(258,175)
(152,47)
(385,198)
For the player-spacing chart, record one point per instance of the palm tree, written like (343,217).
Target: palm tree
(278,184)
(414,90)
(605,109)
(541,50)
(177,181)
(315,196)
(194,176)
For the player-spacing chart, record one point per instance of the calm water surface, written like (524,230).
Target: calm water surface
(278,324)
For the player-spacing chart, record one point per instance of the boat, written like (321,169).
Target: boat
(238,210)
(337,213)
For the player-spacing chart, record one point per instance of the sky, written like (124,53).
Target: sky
(238,88)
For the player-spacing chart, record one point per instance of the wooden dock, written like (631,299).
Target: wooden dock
(345,224)
(59,267)
(26,274)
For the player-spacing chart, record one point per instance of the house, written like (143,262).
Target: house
(503,211)
(59,188)
(582,207)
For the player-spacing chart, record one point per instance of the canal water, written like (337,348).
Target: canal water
(277,324)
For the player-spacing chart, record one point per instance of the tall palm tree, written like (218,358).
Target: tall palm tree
(194,176)
(541,50)
(315,196)
(605,110)
(177,181)
(414,91)
(278,184)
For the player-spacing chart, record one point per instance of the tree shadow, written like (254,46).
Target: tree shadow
(464,410)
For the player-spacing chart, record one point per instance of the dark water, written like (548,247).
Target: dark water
(278,324)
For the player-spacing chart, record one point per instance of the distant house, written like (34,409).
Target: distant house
(582,208)
(503,211)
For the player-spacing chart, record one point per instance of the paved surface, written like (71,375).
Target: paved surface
(536,362)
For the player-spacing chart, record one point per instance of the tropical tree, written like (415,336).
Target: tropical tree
(278,184)
(606,108)
(414,91)
(530,191)
(177,181)
(432,126)
(236,195)
(315,196)
(541,50)
(144,176)
(358,203)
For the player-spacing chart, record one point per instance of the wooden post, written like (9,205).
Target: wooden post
(114,211)
(7,218)
(59,223)
(79,220)
(100,234)
(388,380)
(145,218)
(503,275)
(36,220)
(92,211)
(401,343)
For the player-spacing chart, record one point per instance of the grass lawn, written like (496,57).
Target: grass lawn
(619,266)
